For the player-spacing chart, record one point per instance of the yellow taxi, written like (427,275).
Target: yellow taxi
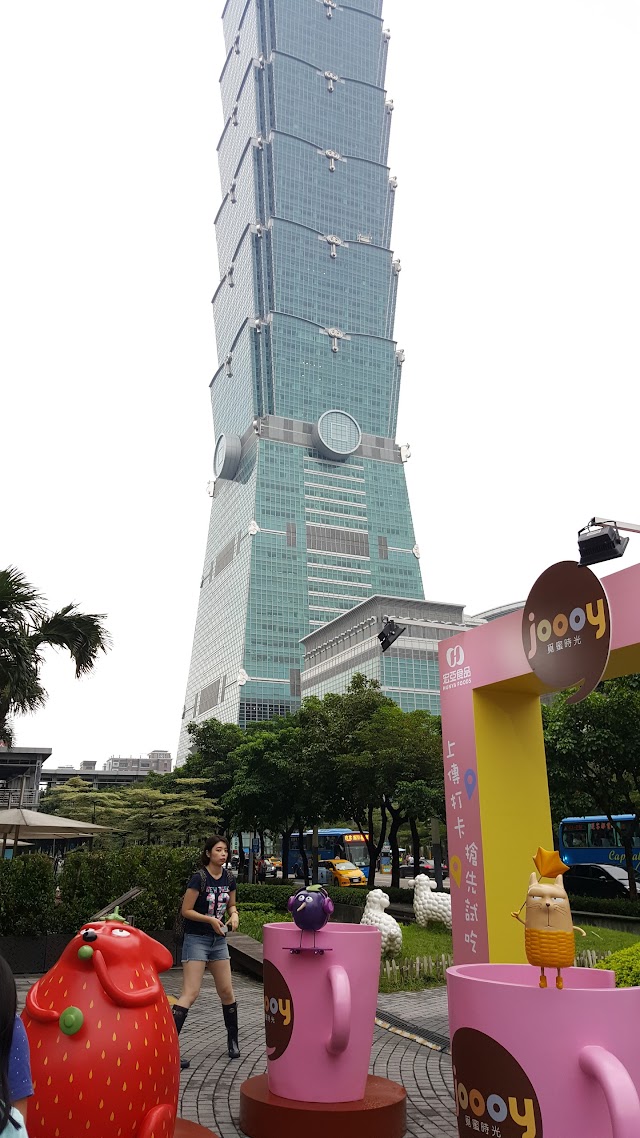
(337,871)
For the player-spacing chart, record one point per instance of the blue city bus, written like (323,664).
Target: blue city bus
(593,839)
(332,843)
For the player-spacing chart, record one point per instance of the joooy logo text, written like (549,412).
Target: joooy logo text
(566,628)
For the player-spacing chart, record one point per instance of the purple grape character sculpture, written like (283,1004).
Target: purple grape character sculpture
(311,909)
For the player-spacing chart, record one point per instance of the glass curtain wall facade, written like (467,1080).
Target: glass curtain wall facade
(310,512)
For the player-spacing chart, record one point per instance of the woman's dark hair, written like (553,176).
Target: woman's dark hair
(8,1008)
(209,844)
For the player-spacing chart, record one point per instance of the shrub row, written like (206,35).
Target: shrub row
(26,895)
(614,906)
(278,895)
(626,965)
(90,880)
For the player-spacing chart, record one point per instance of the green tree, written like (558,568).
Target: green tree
(596,745)
(347,778)
(212,760)
(405,747)
(272,788)
(26,630)
(195,814)
(79,800)
(136,812)
(154,815)
(419,801)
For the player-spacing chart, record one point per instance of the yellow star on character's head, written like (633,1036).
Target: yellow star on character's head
(549,863)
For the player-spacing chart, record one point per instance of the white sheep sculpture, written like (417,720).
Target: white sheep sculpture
(429,905)
(374,914)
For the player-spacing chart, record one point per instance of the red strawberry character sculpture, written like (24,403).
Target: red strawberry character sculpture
(104,1048)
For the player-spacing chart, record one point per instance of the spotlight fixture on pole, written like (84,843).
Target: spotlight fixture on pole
(600,540)
(390,633)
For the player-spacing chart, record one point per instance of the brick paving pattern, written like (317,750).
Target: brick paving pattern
(210,1088)
(426,1011)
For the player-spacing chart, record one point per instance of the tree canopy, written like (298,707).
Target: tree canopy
(26,630)
(593,756)
(138,812)
(356,758)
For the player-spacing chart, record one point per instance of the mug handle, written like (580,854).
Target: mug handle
(618,1088)
(341,1001)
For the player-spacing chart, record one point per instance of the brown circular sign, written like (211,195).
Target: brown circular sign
(566,628)
(492,1092)
(278,1011)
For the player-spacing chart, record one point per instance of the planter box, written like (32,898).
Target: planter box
(608,921)
(24,954)
(167,938)
(55,944)
(35,955)
(348,914)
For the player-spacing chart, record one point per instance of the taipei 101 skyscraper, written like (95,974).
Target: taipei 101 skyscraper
(310,513)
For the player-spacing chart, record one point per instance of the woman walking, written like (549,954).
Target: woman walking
(11,1118)
(210,894)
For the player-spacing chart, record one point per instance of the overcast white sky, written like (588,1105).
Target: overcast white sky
(515,143)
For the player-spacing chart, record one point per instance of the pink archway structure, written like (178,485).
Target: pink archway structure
(495,769)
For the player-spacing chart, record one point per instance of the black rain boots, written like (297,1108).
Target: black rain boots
(179,1016)
(230,1013)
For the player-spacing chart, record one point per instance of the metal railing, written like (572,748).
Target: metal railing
(10,799)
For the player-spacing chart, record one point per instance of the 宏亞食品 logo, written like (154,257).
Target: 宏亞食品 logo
(458,675)
(455,656)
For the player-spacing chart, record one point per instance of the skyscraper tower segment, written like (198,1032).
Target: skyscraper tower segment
(310,512)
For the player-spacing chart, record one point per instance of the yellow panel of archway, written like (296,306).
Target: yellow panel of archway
(514,807)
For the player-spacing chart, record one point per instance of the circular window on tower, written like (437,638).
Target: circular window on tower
(226,457)
(336,435)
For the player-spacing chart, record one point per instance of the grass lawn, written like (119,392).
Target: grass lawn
(434,942)
(603,940)
(251,923)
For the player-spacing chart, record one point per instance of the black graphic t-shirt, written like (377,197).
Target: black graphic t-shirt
(212,901)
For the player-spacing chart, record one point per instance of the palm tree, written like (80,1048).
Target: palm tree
(25,630)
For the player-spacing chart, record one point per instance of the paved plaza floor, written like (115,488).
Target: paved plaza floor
(210,1088)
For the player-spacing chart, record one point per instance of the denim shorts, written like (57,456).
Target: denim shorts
(208,947)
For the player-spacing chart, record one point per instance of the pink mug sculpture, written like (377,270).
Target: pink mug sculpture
(320,1009)
(543,1063)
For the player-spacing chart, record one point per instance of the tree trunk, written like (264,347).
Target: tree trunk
(627,842)
(625,832)
(415,841)
(261,836)
(286,835)
(241,862)
(373,847)
(303,854)
(396,822)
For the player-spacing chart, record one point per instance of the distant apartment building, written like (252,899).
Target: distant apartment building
(159,761)
(118,770)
